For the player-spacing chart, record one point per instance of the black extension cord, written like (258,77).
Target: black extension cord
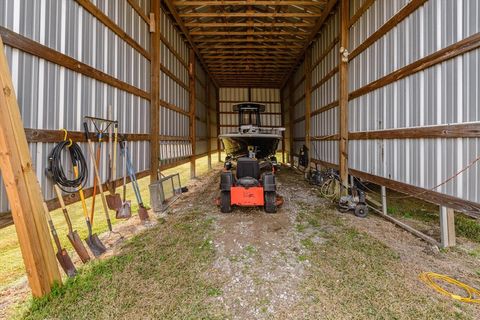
(56,171)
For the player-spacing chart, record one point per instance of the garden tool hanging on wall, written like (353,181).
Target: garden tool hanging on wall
(142,211)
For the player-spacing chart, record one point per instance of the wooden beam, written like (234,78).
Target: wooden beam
(186,33)
(314,33)
(365,6)
(134,4)
(209,130)
(192,111)
(242,33)
(308,99)
(255,14)
(412,6)
(452,51)
(109,23)
(343,93)
(469,208)
(23,191)
(24,44)
(155,66)
(217,25)
(249,2)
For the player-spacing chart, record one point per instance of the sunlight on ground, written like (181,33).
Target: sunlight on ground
(11,263)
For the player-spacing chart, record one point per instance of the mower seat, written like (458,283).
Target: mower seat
(248,182)
(247,167)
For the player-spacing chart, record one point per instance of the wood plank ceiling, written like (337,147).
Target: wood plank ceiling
(250,43)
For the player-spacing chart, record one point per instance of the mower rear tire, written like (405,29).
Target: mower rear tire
(225,202)
(270,202)
(361,210)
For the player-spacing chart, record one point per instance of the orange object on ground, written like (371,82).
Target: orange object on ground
(250,197)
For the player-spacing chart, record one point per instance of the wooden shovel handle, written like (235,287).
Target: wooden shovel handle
(97,176)
(64,208)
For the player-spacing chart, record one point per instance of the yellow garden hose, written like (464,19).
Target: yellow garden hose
(473,294)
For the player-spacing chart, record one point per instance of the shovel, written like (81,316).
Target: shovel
(97,177)
(142,211)
(93,242)
(125,210)
(72,234)
(62,254)
(114,201)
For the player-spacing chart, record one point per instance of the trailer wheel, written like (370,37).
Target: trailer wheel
(361,210)
(270,202)
(225,202)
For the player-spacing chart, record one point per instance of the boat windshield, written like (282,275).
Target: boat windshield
(249,117)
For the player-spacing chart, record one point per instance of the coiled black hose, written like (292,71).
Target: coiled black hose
(56,170)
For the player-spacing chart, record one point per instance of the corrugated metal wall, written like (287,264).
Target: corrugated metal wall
(444,94)
(270,97)
(53,97)
(201,109)
(174,94)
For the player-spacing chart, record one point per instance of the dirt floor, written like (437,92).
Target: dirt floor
(306,262)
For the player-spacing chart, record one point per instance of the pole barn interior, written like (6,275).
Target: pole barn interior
(386,91)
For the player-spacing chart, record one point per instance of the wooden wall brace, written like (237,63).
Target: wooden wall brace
(23,190)
(193,104)
(155,93)
(343,92)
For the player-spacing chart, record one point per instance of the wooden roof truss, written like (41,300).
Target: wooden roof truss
(252,42)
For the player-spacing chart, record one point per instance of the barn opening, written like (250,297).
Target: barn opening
(385,93)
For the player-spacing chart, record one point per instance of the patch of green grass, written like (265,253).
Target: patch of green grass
(250,250)
(355,276)
(166,264)
(302,257)
(11,262)
(307,243)
(420,211)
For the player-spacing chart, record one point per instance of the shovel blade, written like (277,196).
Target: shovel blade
(143,213)
(95,245)
(125,211)
(114,201)
(66,263)
(78,246)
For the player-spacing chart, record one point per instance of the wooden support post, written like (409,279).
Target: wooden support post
(343,92)
(155,91)
(447,227)
(209,129)
(193,120)
(23,190)
(291,111)
(282,110)
(219,144)
(308,102)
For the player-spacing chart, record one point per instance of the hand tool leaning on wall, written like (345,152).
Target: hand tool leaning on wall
(72,234)
(142,211)
(92,240)
(125,211)
(62,254)
(114,201)
(97,173)
(56,172)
